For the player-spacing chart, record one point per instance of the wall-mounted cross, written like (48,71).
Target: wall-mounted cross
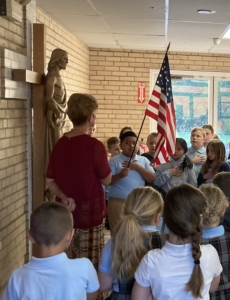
(36,78)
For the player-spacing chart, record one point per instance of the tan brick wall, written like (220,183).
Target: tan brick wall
(12,35)
(114,77)
(15,157)
(14,198)
(13,186)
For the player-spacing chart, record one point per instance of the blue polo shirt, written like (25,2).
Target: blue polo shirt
(192,152)
(209,233)
(52,278)
(124,186)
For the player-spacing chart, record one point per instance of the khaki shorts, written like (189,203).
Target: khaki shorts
(115,212)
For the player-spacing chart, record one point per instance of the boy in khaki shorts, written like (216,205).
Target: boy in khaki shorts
(124,178)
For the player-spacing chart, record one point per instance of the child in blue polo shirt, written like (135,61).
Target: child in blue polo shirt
(197,152)
(125,178)
(51,275)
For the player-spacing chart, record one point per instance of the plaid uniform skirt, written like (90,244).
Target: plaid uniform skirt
(87,243)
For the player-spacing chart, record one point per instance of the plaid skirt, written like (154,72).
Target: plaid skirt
(87,243)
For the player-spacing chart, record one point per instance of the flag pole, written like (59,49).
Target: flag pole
(168,48)
(144,119)
(137,139)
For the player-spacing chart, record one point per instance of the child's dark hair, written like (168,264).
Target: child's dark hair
(222,180)
(49,223)
(219,150)
(127,133)
(187,163)
(184,205)
(126,128)
(112,141)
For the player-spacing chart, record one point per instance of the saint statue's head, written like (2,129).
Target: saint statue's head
(58,57)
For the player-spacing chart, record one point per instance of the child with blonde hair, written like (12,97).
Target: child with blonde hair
(222,180)
(113,146)
(215,162)
(214,234)
(197,152)
(151,144)
(182,269)
(134,236)
(92,130)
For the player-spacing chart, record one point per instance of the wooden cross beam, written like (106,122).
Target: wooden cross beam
(37,78)
(28,76)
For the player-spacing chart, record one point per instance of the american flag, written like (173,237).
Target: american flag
(161,109)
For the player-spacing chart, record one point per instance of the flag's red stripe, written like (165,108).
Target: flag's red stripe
(164,114)
(155,93)
(151,114)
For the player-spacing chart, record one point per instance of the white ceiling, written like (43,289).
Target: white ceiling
(140,24)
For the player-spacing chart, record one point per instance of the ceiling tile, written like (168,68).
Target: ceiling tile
(97,38)
(90,24)
(131,8)
(135,26)
(77,7)
(139,24)
(195,30)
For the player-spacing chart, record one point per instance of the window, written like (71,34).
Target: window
(199,98)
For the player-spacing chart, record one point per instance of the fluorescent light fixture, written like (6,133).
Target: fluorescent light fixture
(206,11)
(226,34)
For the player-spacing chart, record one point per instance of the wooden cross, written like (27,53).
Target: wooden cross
(37,78)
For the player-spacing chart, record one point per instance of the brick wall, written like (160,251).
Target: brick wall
(12,35)
(13,185)
(114,77)
(15,149)
(16,126)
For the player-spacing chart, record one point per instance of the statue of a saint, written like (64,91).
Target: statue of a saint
(55,100)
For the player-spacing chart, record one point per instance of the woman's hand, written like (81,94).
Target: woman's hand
(55,189)
(69,202)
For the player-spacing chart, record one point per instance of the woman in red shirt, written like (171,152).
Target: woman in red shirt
(77,169)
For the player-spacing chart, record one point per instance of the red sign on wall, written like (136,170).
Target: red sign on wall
(141,92)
